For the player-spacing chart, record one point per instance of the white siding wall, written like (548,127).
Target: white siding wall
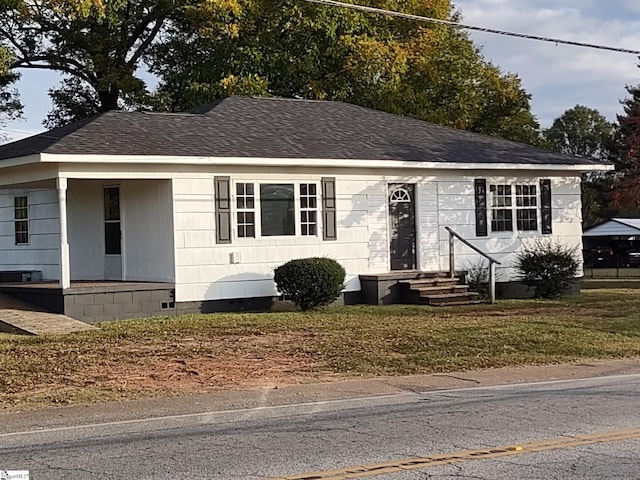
(147,230)
(456,209)
(206,271)
(42,252)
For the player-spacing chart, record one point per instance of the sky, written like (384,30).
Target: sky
(557,76)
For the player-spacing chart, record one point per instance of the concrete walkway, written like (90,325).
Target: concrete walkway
(17,316)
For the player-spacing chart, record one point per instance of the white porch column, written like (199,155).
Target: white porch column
(65,270)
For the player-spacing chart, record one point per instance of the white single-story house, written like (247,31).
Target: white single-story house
(202,206)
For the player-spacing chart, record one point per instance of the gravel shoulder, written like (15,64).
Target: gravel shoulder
(306,393)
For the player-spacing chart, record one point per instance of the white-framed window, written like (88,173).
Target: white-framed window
(526,207)
(509,202)
(308,209)
(270,209)
(21,219)
(245,210)
(277,209)
(501,208)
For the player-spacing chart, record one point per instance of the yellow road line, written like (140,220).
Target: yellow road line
(466,456)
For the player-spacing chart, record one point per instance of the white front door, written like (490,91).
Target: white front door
(112,234)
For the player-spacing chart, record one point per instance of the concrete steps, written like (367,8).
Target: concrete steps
(439,291)
(17,316)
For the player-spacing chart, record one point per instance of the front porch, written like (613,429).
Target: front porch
(95,301)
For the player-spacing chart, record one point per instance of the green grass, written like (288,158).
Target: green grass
(194,353)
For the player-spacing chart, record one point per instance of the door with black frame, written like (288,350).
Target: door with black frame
(402,226)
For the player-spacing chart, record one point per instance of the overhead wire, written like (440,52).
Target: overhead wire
(462,26)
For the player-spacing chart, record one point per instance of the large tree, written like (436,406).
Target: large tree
(585,132)
(292,48)
(581,131)
(10,106)
(97,45)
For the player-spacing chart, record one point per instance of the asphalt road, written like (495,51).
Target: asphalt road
(490,423)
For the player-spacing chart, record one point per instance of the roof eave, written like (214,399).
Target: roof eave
(19,161)
(311,162)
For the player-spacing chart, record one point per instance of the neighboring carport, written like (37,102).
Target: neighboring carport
(614,243)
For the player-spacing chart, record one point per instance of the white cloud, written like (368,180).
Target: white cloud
(560,76)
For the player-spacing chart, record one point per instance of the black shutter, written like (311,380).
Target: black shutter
(223,209)
(481,207)
(545,202)
(329,209)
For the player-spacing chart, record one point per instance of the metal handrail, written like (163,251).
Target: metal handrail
(492,261)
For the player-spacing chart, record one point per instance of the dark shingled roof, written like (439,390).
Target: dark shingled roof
(280,128)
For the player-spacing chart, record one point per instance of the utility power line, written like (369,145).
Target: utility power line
(461,26)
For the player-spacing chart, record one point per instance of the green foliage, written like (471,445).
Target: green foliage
(295,49)
(477,277)
(10,106)
(97,45)
(547,266)
(581,131)
(584,132)
(310,282)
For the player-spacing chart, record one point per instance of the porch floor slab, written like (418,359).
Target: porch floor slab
(17,316)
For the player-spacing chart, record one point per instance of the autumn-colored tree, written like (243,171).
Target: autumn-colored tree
(97,45)
(626,188)
(292,48)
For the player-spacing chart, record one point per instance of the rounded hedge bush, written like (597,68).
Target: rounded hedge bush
(310,282)
(547,266)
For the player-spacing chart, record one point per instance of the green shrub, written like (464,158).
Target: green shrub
(477,277)
(548,266)
(310,282)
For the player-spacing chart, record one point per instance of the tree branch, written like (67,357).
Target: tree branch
(76,72)
(145,43)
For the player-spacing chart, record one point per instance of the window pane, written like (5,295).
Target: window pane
(502,220)
(112,238)
(112,203)
(21,209)
(246,223)
(527,219)
(277,211)
(21,232)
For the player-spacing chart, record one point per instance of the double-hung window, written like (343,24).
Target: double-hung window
(21,219)
(499,205)
(526,207)
(245,210)
(308,209)
(501,208)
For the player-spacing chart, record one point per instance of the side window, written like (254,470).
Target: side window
(501,211)
(245,210)
(526,207)
(21,219)
(308,209)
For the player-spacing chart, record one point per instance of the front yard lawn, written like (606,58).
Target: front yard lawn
(199,353)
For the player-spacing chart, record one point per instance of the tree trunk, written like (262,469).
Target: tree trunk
(109,99)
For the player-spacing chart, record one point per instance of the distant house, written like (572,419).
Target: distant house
(208,202)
